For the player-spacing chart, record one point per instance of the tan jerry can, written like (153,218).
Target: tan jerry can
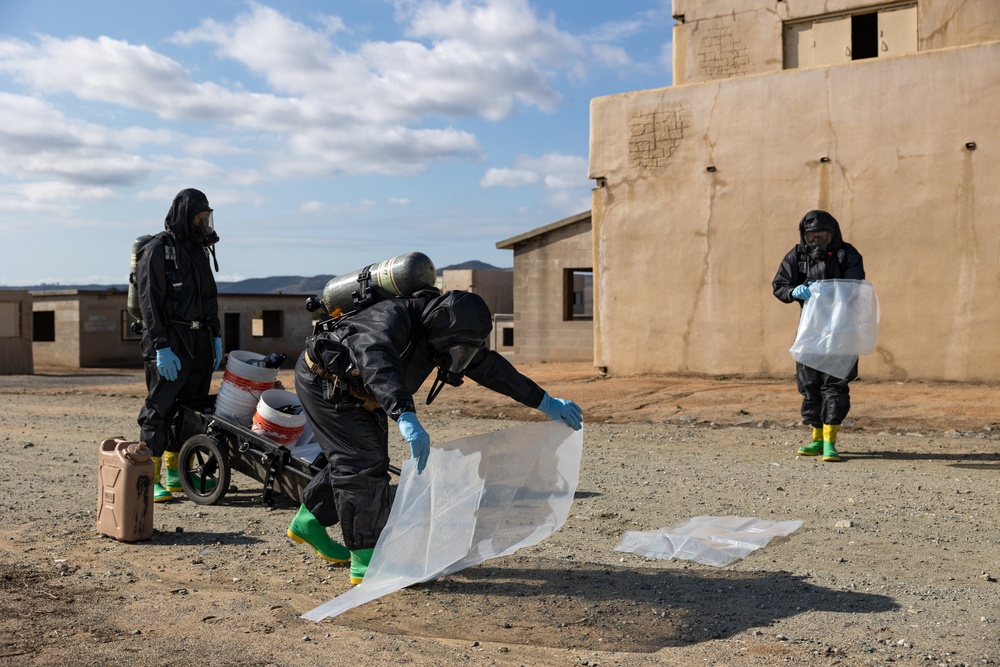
(125,490)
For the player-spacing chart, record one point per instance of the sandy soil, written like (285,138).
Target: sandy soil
(897,560)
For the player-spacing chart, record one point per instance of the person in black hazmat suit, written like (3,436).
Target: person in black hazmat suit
(181,342)
(364,370)
(821,254)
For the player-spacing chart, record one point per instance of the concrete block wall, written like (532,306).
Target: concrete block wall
(540,332)
(15,333)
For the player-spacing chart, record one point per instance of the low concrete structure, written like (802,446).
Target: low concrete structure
(497,289)
(883,114)
(91,329)
(15,332)
(553,291)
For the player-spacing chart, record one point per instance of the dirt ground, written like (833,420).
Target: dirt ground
(897,560)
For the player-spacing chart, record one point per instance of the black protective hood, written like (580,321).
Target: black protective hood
(820,221)
(187,204)
(456,317)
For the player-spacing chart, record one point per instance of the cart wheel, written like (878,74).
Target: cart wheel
(200,463)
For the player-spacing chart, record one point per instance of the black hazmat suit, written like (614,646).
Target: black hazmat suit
(178,300)
(826,399)
(381,356)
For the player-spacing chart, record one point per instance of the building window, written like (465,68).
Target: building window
(578,294)
(841,38)
(10,319)
(43,325)
(127,332)
(267,324)
(507,336)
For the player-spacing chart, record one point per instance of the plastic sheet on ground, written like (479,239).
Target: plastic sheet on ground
(709,540)
(479,497)
(839,322)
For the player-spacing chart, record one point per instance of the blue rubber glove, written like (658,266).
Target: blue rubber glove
(167,364)
(414,433)
(560,408)
(217,359)
(801,293)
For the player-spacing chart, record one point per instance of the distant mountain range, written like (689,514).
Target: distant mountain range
(272,285)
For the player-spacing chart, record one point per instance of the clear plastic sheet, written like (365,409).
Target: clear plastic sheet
(839,322)
(479,497)
(709,540)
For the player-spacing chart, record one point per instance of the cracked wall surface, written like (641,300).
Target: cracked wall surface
(653,137)
(687,242)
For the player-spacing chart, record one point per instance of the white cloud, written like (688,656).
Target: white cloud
(40,142)
(314,207)
(509,178)
(610,55)
(325,107)
(554,170)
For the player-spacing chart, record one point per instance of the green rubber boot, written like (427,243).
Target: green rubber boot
(160,494)
(815,447)
(172,482)
(830,442)
(305,529)
(359,564)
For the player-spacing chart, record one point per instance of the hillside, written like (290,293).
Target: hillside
(269,285)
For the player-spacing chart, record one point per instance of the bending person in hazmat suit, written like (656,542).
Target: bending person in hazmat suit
(181,341)
(364,370)
(821,254)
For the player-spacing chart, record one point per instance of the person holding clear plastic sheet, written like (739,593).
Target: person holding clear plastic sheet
(820,254)
(181,341)
(360,370)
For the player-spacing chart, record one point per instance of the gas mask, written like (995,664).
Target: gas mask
(452,362)
(203,230)
(818,242)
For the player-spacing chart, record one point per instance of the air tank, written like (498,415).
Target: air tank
(397,276)
(133,289)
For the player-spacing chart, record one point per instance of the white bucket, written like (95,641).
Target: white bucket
(271,422)
(242,385)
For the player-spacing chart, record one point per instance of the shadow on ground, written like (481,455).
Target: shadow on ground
(579,605)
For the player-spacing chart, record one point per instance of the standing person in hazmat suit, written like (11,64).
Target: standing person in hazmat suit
(821,254)
(181,342)
(364,370)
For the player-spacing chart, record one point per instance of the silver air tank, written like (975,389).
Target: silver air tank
(133,288)
(398,276)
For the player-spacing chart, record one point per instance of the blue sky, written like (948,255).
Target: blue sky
(327,135)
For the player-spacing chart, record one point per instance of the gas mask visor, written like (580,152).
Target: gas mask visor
(203,228)
(452,362)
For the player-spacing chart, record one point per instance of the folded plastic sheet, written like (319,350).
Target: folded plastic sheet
(839,322)
(479,497)
(709,540)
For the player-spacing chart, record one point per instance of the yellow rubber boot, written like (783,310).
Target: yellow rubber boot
(160,494)
(815,447)
(830,442)
(172,482)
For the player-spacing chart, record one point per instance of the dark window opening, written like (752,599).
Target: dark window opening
(268,324)
(508,336)
(43,326)
(231,332)
(864,36)
(578,294)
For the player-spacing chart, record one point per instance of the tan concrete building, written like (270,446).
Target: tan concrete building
(15,332)
(882,113)
(553,291)
(497,289)
(84,329)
